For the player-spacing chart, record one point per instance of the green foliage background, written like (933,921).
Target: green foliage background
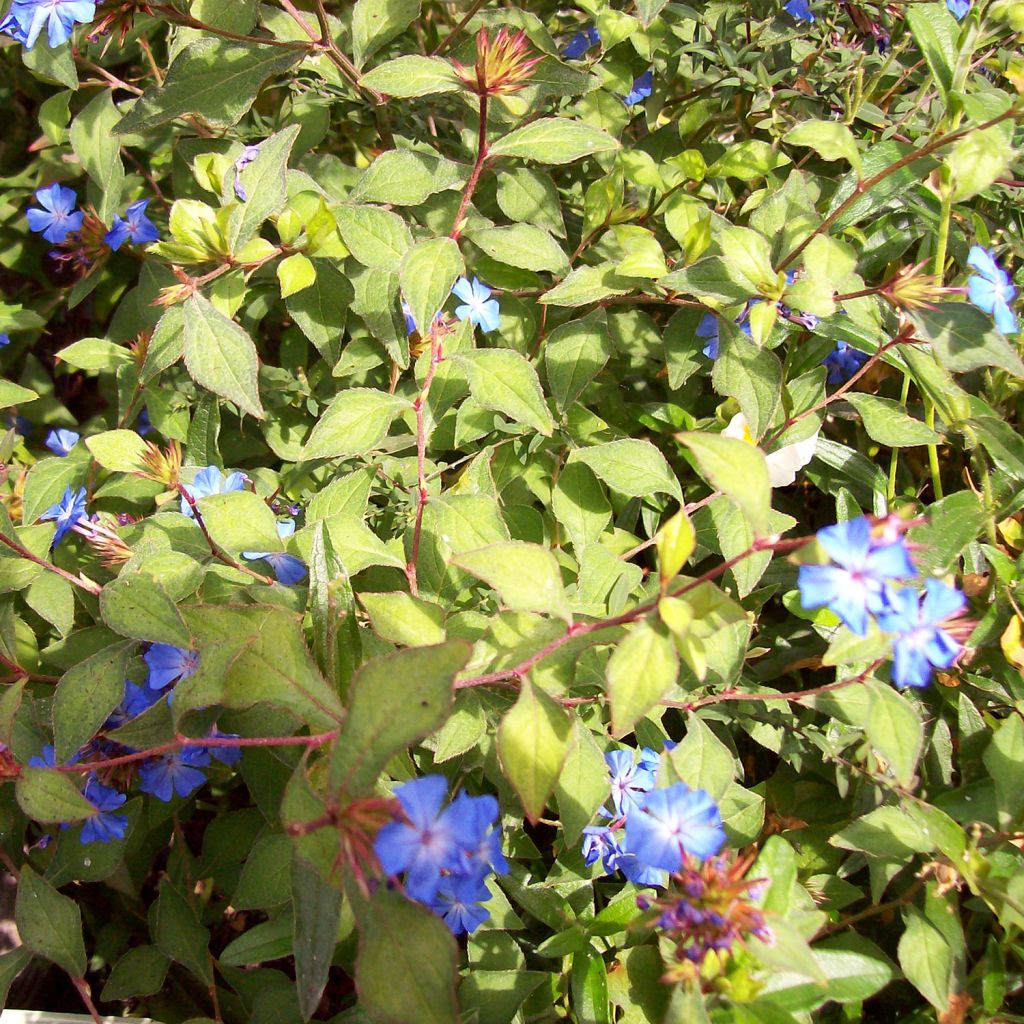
(479,510)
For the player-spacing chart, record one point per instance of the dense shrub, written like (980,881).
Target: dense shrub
(512,514)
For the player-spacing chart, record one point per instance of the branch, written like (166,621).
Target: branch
(88,585)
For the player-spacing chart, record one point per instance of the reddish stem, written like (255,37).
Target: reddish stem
(474,178)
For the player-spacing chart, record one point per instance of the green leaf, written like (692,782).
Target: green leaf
(493,997)
(887,422)
(271,940)
(747,160)
(676,541)
(1004,759)
(977,160)
(376,237)
(140,972)
(894,729)
(526,194)
(926,959)
(588,284)
(46,795)
(240,521)
(295,273)
(641,670)
(630,466)
(86,695)
(521,245)
(218,79)
(574,354)
(376,22)
(748,258)
(178,933)
(935,31)
(95,144)
(265,184)
(554,140)
(588,983)
(353,424)
(702,760)
(502,380)
(394,701)
(50,924)
(579,504)
(829,139)
(137,606)
(533,743)
(12,963)
(709,278)
(738,470)
(964,338)
(405,177)
(405,620)
(426,276)
(15,394)
(412,75)
(583,784)
(750,374)
(120,451)
(95,354)
(319,310)
(317,915)
(220,355)
(401,939)
(47,481)
(526,576)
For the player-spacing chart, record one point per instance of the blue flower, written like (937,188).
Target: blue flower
(457,903)
(630,781)
(479,308)
(480,841)
(581,42)
(210,481)
(248,155)
(707,330)
(958,7)
(226,755)
(671,822)
(5,340)
(600,841)
(799,9)
(174,773)
(46,758)
(990,290)
(57,16)
(60,442)
(410,323)
(136,227)
(642,88)
(135,701)
(144,425)
(103,826)
(920,641)
(57,219)
(169,664)
(68,511)
(843,362)
(287,568)
(856,584)
(427,843)
(11,27)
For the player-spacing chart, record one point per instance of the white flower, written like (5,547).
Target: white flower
(783,464)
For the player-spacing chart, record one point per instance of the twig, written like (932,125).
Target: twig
(24,672)
(82,986)
(446,42)
(86,584)
(481,158)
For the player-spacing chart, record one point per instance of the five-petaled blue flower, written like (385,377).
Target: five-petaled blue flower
(136,227)
(458,902)
(178,773)
(68,511)
(799,9)
(58,218)
(630,781)
(287,568)
(210,481)
(27,18)
(856,584)
(843,362)
(478,306)
(921,642)
(959,8)
(581,42)
(104,825)
(990,290)
(60,442)
(169,664)
(428,843)
(642,89)
(671,822)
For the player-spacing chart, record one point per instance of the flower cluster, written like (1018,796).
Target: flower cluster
(858,587)
(651,830)
(502,65)
(446,852)
(706,910)
(81,233)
